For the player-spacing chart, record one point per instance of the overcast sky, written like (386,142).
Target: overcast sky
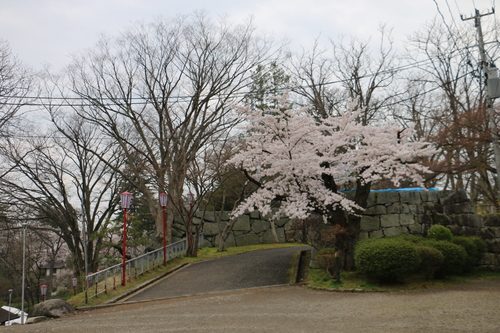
(48,31)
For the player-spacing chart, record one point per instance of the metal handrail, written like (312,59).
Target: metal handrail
(99,282)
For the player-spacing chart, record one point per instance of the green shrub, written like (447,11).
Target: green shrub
(431,260)
(480,246)
(455,257)
(475,248)
(470,247)
(439,233)
(415,239)
(386,259)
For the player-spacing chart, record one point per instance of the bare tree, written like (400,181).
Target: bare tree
(163,91)
(447,106)
(352,71)
(16,83)
(54,175)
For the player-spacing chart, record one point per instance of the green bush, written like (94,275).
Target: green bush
(439,233)
(431,260)
(455,257)
(480,246)
(415,239)
(475,248)
(386,259)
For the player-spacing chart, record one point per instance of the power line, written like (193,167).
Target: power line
(105,101)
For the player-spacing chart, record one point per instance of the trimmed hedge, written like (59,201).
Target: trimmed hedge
(439,233)
(392,259)
(431,260)
(456,259)
(475,248)
(387,259)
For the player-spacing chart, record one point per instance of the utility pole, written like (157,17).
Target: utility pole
(492,84)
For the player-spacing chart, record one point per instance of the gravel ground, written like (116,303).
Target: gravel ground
(469,308)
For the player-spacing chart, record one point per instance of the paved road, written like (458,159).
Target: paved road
(252,269)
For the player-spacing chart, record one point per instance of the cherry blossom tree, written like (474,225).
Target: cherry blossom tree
(304,164)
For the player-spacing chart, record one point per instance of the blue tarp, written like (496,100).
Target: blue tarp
(398,189)
(406,189)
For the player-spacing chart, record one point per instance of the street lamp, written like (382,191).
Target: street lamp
(43,289)
(163,204)
(75,283)
(10,302)
(125,199)
(190,200)
(24,225)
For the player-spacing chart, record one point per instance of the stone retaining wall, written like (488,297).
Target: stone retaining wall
(388,213)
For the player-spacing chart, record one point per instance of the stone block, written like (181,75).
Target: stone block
(459,208)
(207,216)
(411,197)
(406,219)
(414,209)
(375,210)
(415,229)
(212,228)
(456,197)
(389,220)
(489,232)
(242,223)
(405,209)
(493,245)
(259,226)
(372,199)
(377,234)
(429,196)
(178,232)
(387,198)
(267,237)
(442,219)
(394,231)
(455,229)
(469,220)
(395,208)
(490,259)
(255,214)
(229,241)
(247,239)
(281,222)
(291,222)
(363,235)
(492,220)
(369,223)
(269,215)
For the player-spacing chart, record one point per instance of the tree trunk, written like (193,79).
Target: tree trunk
(345,242)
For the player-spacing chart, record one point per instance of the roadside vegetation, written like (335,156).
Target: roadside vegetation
(320,278)
(405,262)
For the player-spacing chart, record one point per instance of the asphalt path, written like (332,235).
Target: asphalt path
(246,270)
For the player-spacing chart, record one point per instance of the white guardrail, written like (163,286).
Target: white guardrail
(109,278)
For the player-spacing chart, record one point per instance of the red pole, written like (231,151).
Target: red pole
(124,248)
(164,236)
